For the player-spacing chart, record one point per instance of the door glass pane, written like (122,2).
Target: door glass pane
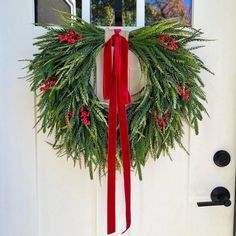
(79,8)
(113,12)
(45,10)
(158,9)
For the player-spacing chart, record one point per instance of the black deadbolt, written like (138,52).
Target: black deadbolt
(222,158)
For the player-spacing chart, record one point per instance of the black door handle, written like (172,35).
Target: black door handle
(220,196)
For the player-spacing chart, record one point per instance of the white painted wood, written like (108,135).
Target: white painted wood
(86,10)
(67,197)
(18,200)
(218,131)
(41,195)
(140,13)
(72,5)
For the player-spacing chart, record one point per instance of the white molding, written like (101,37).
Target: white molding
(86,8)
(193,15)
(140,13)
(72,5)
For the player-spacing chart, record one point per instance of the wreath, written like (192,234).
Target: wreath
(63,75)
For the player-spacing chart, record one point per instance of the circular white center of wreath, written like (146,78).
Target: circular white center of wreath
(136,79)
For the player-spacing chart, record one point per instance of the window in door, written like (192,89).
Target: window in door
(114,12)
(157,9)
(46,10)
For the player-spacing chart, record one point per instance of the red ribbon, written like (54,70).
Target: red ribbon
(115,88)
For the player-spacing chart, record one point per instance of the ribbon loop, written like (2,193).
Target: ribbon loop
(115,88)
(120,59)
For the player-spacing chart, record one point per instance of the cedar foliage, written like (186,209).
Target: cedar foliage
(163,70)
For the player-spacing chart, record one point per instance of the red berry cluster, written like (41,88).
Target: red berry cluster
(183,92)
(162,121)
(69,117)
(48,83)
(70,36)
(84,115)
(169,41)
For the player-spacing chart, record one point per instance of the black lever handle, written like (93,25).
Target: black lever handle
(220,196)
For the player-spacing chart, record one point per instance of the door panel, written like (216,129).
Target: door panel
(67,197)
(219,130)
(41,195)
(151,196)
(18,193)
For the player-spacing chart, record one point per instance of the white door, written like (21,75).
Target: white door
(44,196)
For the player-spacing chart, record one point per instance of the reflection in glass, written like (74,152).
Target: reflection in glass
(79,8)
(159,9)
(45,13)
(113,12)
(129,13)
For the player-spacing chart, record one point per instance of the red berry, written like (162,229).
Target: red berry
(71,40)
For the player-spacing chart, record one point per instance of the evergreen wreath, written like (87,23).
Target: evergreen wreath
(60,74)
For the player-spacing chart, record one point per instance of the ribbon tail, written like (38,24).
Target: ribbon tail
(111,180)
(112,142)
(125,147)
(124,96)
(115,88)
